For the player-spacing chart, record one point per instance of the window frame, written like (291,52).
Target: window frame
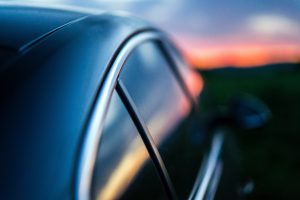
(111,82)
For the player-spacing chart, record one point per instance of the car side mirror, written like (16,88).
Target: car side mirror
(249,112)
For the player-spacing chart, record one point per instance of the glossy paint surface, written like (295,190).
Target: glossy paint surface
(21,25)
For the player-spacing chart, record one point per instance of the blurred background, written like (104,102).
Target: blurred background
(239,47)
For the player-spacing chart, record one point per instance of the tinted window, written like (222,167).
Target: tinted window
(155,90)
(151,83)
(123,168)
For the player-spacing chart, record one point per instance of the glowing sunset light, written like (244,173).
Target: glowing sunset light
(243,55)
(195,84)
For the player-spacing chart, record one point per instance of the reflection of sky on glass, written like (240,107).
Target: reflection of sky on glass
(121,154)
(161,115)
(204,27)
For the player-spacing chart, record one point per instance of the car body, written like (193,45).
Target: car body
(102,106)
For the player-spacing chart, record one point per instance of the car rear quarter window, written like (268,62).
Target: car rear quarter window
(151,83)
(123,168)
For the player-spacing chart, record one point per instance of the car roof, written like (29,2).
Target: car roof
(21,24)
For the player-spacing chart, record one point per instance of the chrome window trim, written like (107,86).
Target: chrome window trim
(211,193)
(96,122)
(210,171)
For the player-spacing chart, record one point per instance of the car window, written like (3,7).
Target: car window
(154,90)
(152,85)
(123,168)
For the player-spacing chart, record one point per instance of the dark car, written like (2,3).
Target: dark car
(102,106)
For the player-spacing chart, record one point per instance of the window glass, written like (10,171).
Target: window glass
(155,90)
(152,85)
(123,167)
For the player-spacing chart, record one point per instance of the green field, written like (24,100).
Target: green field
(270,155)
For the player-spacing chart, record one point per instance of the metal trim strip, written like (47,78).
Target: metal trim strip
(206,175)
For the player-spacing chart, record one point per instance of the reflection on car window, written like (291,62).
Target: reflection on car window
(123,168)
(155,91)
(151,83)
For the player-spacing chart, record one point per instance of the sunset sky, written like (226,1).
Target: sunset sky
(218,33)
